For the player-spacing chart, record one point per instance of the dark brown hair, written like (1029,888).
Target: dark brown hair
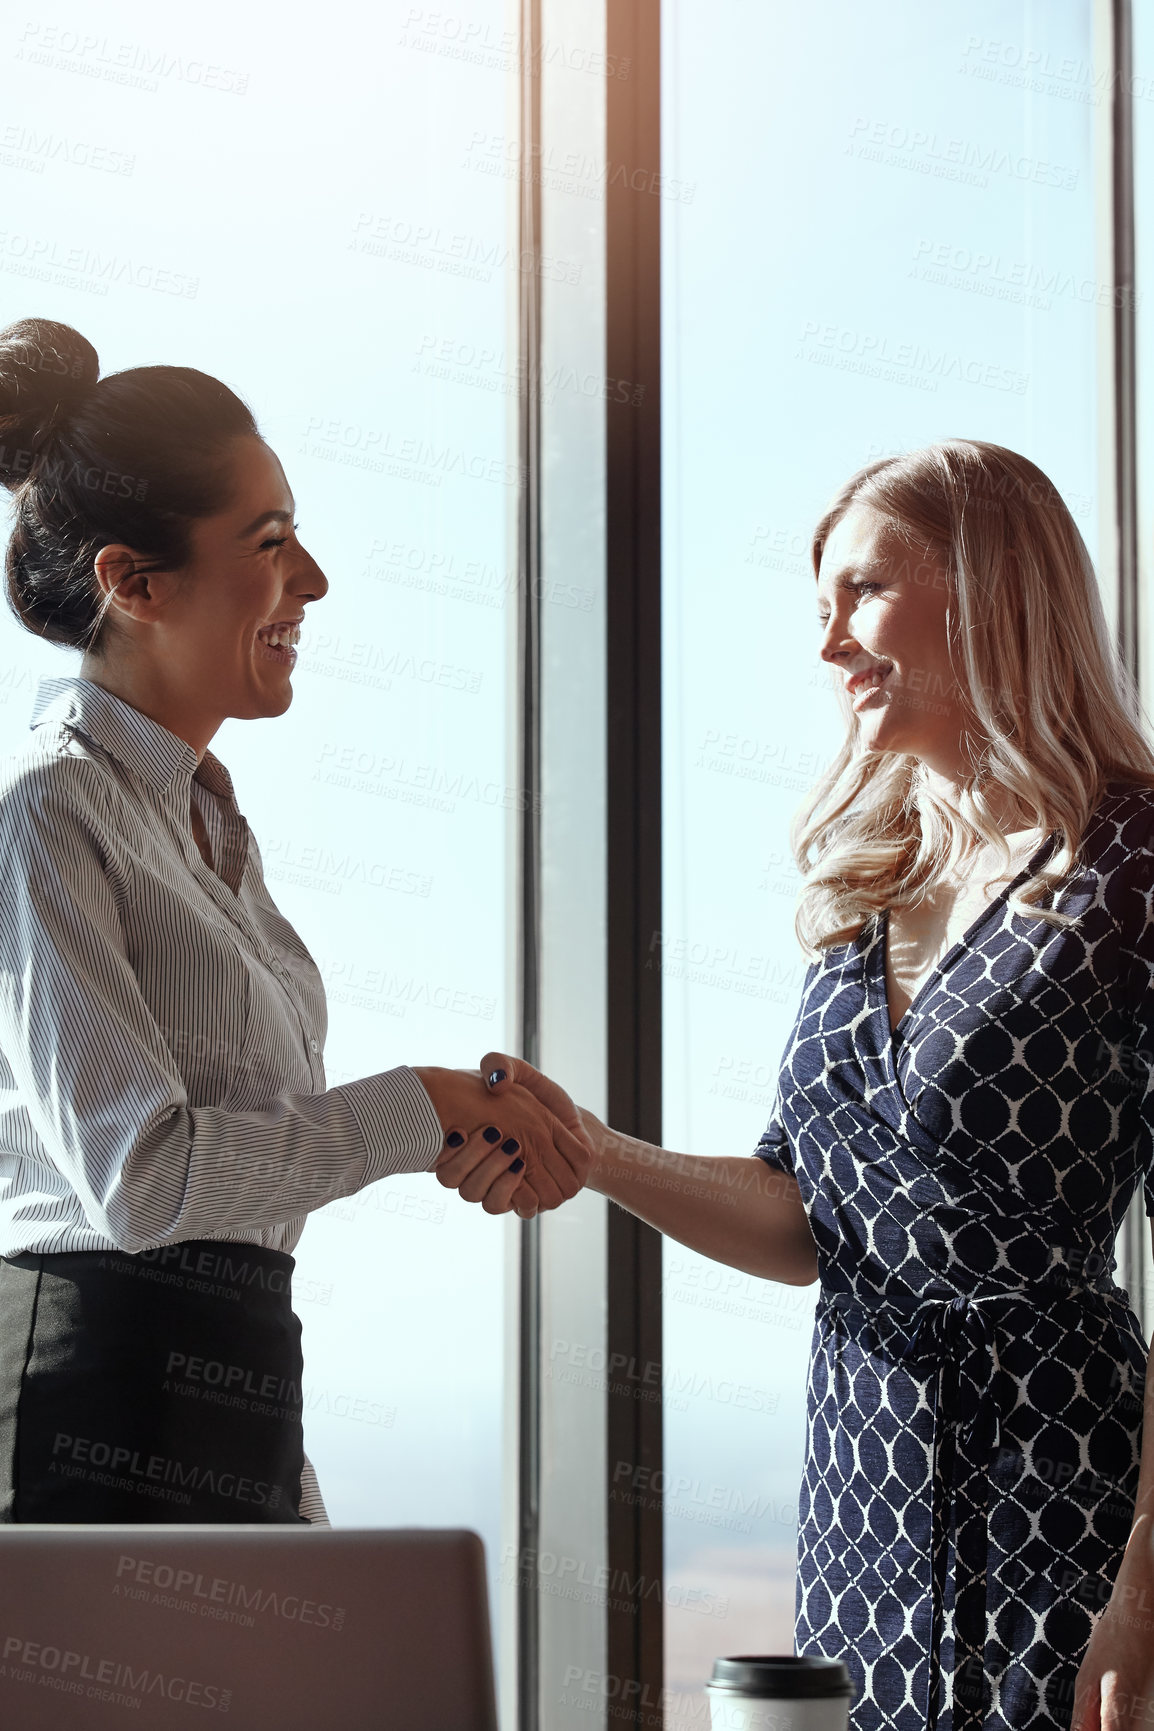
(134,457)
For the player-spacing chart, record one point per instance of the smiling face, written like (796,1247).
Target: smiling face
(191,649)
(882,605)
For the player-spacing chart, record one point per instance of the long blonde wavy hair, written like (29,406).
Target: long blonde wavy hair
(1056,713)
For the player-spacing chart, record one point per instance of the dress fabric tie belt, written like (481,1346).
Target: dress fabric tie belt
(954,1339)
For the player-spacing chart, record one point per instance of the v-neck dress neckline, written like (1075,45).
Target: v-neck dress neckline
(894,1035)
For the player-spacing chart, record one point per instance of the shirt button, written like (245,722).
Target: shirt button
(314,1045)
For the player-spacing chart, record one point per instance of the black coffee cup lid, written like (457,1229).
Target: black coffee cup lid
(787,1677)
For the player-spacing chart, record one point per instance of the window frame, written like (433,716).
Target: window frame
(612,1290)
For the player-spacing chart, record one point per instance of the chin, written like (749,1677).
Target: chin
(879,737)
(268,705)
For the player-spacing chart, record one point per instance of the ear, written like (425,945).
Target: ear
(130,578)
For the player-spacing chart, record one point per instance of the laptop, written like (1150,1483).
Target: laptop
(263,1628)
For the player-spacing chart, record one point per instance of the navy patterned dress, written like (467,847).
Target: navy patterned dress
(975,1392)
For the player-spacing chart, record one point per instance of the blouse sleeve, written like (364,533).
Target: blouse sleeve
(101,1086)
(773,1144)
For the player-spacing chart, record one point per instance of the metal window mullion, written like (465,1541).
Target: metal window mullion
(529,671)
(1135,1235)
(635,1631)
(1125,334)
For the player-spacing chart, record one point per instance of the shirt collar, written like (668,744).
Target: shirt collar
(150,751)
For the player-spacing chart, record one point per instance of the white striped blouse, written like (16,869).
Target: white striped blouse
(161,1023)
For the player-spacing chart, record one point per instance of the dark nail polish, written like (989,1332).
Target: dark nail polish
(491,1134)
(517,1166)
(497,1076)
(512,1146)
(455,1139)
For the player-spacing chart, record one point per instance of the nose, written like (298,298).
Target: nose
(835,645)
(311,583)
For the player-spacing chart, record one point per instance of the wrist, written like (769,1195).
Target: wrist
(619,1162)
(1138,1557)
(602,1142)
(432,1080)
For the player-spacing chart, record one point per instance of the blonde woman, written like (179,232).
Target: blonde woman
(964,1113)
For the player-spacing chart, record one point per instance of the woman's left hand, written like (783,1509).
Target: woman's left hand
(1114,1687)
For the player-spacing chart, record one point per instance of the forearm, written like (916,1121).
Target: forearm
(735,1210)
(197,1171)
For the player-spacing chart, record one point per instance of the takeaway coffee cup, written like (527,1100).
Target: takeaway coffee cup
(770,1693)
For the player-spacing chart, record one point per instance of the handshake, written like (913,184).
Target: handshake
(514,1140)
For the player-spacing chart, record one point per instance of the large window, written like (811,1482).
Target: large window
(405,235)
(302,204)
(891,239)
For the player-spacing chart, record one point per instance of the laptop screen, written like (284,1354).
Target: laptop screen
(247,1626)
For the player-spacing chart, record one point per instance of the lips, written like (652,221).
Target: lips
(870,676)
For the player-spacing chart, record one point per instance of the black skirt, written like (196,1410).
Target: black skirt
(153,1388)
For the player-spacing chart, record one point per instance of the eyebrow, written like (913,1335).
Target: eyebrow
(265,517)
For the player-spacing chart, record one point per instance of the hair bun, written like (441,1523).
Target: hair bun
(46,370)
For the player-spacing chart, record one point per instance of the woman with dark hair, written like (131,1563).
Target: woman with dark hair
(165,1128)
(964,1115)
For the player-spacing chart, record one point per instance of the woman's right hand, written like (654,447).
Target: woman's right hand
(502,1072)
(736,1210)
(495,1151)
